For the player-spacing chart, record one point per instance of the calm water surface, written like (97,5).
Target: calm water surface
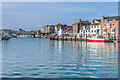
(43,58)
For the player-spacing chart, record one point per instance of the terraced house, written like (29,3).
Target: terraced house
(77,25)
(48,29)
(92,30)
(110,27)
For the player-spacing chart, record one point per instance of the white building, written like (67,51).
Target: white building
(48,29)
(92,30)
(95,30)
(60,32)
(85,31)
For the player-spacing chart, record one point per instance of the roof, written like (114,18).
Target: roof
(99,20)
(112,17)
(95,24)
(80,22)
(59,24)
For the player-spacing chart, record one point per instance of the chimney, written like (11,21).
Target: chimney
(102,18)
(80,20)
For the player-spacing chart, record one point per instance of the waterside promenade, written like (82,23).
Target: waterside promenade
(69,38)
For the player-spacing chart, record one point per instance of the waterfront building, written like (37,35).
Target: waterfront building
(77,25)
(38,32)
(92,30)
(68,31)
(60,32)
(48,29)
(95,28)
(57,27)
(84,31)
(110,27)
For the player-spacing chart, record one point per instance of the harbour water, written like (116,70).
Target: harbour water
(43,58)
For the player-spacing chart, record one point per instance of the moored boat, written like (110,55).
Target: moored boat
(0,36)
(98,40)
(6,37)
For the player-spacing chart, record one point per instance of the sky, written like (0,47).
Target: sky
(34,15)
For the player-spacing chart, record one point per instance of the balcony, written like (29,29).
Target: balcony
(104,32)
(112,32)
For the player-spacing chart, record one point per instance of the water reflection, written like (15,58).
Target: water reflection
(59,59)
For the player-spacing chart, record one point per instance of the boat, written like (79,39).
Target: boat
(6,37)
(0,36)
(97,39)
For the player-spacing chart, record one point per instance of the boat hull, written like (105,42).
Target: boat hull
(98,40)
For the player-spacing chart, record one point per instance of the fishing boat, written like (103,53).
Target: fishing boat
(97,39)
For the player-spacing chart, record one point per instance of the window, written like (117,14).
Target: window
(113,24)
(95,27)
(86,30)
(97,31)
(113,29)
(104,25)
(83,31)
(94,30)
(83,35)
(108,25)
(104,30)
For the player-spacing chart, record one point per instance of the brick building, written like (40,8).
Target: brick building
(110,27)
(77,25)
